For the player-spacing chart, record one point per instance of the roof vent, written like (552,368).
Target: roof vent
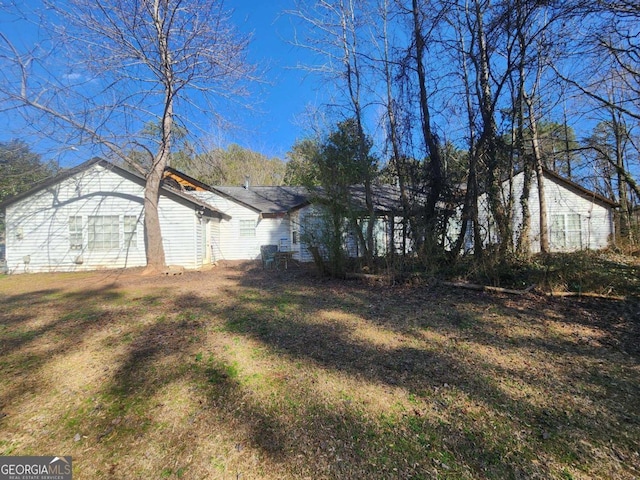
(246,182)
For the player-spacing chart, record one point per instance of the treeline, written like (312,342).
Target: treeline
(20,169)
(234,165)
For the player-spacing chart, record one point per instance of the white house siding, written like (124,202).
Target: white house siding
(306,220)
(309,221)
(401,240)
(38,237)
(211,234)
(273,231)
(299,249)
(216,250)
(381,233)
(181,234)
(229,243)
(38,233)
(596,223)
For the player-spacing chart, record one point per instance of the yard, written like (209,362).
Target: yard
(238,373)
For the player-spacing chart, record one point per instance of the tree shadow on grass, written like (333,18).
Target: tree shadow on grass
(331,437)
(335,440)
(41,326)
(417,370)
(65,314)
(17,309)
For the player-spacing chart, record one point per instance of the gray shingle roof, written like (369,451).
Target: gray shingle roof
(269,200)
(283,199)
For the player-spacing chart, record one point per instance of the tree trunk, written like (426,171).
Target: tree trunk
(524,238)
(396,157)
(488,140)
(537,155)
(152,231)
(470,207)
(619,131)
(523,247)
(434,169)
(353,78)
(567,149)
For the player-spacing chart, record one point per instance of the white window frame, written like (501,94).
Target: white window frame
(566,231)
(573,230)
(247,228)
(557,232)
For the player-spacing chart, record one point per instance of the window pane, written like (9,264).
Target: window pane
(247,228)
(557,232)
(574,231)
(130,233)
(75,233)
(104,232)
(573,221)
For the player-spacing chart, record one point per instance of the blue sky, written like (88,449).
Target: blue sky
(287,90)
(278,103)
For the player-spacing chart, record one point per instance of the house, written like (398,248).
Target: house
(254,216)
(90,217)
(258,216)
(577,218)
(279,215)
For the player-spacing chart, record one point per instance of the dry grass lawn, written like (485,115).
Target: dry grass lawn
(237,373)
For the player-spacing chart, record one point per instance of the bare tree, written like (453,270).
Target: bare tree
(433,150)
(613,44)
(393,129)
(610,82)
(337,28)
(128,63)
(489,85)
(612,150)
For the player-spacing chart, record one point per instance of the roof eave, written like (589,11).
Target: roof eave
(584,191)
(65,174)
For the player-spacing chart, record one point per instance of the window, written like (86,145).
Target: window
(247,228)
(566,232)
(130,233)
(294,236)
(104,232)
(558,238)
(574,232)
(75,233)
